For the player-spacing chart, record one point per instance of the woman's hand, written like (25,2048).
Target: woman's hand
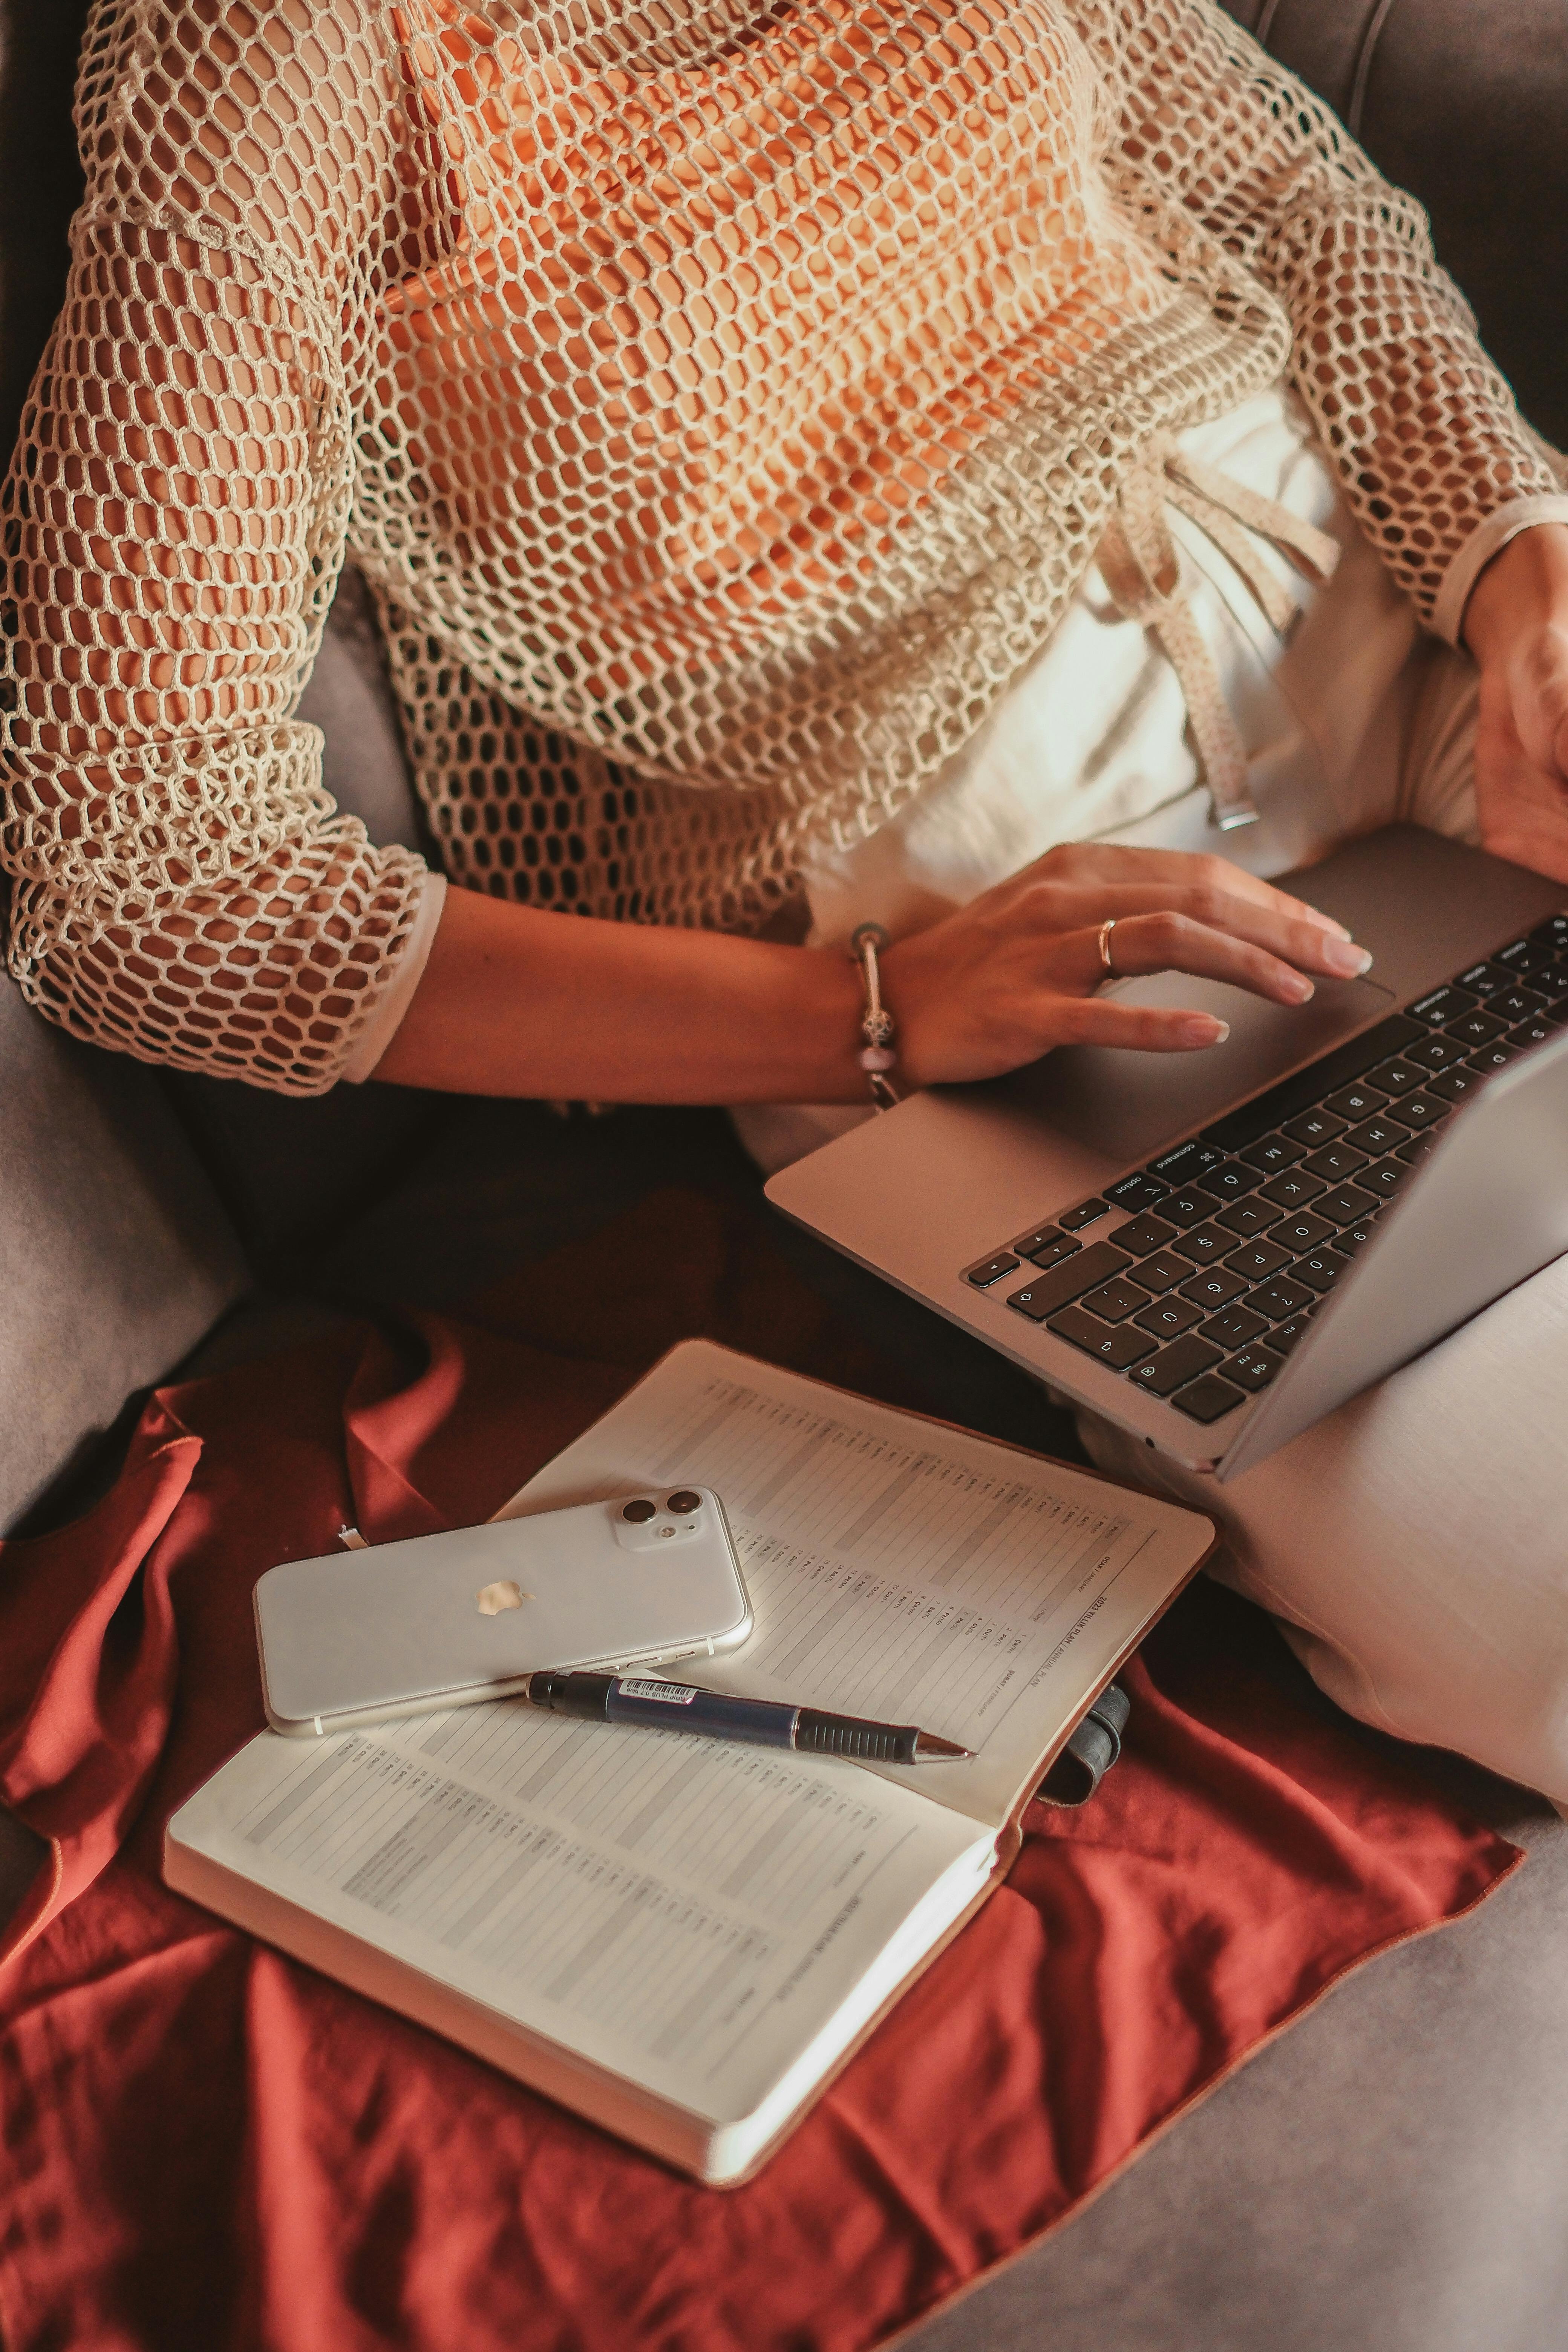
(1516,625)
(1015,971)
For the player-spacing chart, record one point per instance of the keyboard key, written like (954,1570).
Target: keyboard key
(1186,1208)
(1440,1006)
(1356,1101)
(1416,1147)
(1284,1336)
(1230,1180)
(1524,955)
(1553,933)
(1376,1136)
(1354,1237)
(1050,1252)
(1299,1233)
(1281,1298)
(1087,1271)
(1270,1153)
(1452,1086)
(1477,1028)
(1492,1058)
(1384,1178)
(1438,1053)
(1315,1126)
(1250,1216)
(1038,1237)
(1115,1301)
(1484,980)
(1334,1162)
(1208,1399)
(990,1270)
(1215,1286)
(1162,1272)
(1087,1213)
(1205,1244)
(1141,1234)
(1321,1269)
(1174,1365)
(1259,1260)
(1398,1077)
(1254,1368)
(1116,1345)
(1305,1089)
(1184,1163)
(1423,1110)
(1511,1004)
(1349,1202)
(1294,1189)
(1234,1327)
(1532,1032)
(1167,1318)
(1137,1192)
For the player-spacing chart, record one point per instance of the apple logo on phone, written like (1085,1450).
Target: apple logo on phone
(494,1598)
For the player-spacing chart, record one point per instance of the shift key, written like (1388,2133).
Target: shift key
(1069,1280)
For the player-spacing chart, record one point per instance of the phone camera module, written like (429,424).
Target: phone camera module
(637,1513)
(682,1502)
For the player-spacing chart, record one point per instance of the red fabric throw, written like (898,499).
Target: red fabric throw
(207,2145)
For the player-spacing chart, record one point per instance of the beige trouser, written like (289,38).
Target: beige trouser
(1415,1544)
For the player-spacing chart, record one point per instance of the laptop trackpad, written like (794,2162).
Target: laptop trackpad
(1128,1104)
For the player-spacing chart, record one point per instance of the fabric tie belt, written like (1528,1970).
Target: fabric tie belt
(1137,560)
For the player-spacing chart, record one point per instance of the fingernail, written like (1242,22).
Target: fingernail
(1203,1030)
(1298,985)
(1350,959)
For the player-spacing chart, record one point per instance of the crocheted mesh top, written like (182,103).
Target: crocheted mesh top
(723,401)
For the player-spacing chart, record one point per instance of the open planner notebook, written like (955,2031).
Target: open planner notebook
(680,1939)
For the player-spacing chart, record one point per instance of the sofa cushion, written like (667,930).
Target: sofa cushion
(1463,102)
(1391,2173)
(40,185)
(115,1256)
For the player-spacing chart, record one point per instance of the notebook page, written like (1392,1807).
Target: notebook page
(896,1570)
(685,1917)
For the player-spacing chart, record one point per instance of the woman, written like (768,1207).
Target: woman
(767,431)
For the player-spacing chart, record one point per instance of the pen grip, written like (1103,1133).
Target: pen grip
(817,1734)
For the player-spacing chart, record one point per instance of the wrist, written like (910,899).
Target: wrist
(814,1042)
(1523,591)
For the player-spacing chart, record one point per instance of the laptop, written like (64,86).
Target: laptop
(1215,1250)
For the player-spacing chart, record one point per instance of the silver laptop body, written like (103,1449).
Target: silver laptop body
(930,1194)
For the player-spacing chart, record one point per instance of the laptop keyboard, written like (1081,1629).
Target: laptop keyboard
(1196,1276)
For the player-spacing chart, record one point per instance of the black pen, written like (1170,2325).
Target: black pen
(680,1707)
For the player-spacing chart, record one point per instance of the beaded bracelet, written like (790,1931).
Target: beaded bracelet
(878,1057)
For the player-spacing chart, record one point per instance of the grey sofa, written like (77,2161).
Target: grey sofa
(1395,2171)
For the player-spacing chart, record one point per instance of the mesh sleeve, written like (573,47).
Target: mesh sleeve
(1420,424)
(182,887)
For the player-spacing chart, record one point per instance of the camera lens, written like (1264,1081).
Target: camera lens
(640,1512)
(683,1502)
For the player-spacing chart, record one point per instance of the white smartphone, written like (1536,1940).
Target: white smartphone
(443,1621)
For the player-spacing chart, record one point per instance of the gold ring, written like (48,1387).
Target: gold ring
(1105,930)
